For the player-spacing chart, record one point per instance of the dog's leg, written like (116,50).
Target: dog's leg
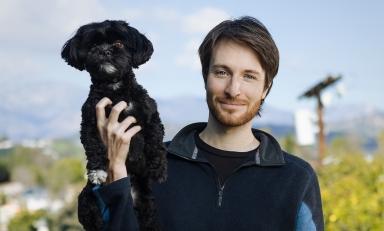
(144,204)
(96,161)
(97,176)
(95,150)
(155,170)
(155,152)
(88,213)
(136,161)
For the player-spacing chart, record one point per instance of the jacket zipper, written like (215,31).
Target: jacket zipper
(220,187)
(220,199)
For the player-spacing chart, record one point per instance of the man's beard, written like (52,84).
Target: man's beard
(228,118)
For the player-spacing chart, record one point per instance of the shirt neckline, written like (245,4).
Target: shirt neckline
(200,144)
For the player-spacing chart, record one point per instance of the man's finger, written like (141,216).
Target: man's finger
(126,138)
(100,108)
(115,112)
(125,124)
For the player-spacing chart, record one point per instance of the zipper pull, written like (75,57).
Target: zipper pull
(220,199)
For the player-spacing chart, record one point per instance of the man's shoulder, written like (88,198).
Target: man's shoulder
(297,164)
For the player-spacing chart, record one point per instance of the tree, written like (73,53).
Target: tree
(64,172)
(4,173)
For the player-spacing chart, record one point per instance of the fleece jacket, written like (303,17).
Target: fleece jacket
(273,190)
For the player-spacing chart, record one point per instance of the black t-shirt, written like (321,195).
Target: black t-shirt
(224,162)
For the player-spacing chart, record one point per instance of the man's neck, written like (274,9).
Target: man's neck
(239,138)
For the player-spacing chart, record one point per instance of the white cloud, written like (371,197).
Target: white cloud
(42,23)
(204,20)
(33,32)
(200,22)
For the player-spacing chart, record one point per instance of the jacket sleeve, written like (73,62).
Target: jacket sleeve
(116,205)
(310,214)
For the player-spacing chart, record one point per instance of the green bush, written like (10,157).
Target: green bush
(25,221)
(352,190)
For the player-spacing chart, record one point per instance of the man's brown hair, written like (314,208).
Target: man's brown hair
(245,30)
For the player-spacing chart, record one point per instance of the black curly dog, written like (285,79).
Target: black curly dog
(108,51)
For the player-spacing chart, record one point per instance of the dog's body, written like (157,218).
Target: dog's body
(108,51)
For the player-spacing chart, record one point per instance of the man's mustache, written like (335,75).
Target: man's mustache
(230,100)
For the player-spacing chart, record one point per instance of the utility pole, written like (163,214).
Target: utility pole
(315,91)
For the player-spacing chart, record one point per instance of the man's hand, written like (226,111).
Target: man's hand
(115,136)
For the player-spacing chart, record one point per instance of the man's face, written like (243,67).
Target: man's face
(235,84)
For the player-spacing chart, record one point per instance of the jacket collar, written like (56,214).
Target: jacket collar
(269,152)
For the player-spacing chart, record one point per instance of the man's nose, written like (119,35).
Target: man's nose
(233,87)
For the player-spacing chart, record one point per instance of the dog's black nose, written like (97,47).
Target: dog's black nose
(104,52)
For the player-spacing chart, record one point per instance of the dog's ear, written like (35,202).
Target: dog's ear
(72,52)
(143,50)
(138,45)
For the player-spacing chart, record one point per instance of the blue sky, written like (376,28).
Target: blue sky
(315,38)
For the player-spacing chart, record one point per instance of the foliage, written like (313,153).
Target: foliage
(352,189)
(25,221)
(27,165)
(59,168)
(4,172)
(33,166)
(3,199)
(65,172)
(288,143)
(66,219)
(67,148)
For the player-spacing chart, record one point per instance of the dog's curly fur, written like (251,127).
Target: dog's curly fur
(108,51)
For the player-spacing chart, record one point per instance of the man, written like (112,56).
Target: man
(222,175)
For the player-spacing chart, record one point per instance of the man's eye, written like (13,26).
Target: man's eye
(249,77)
(118,44)
(221,73)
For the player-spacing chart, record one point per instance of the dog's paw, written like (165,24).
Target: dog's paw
(97,176)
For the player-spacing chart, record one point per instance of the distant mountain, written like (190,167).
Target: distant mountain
(40,110)
(363,122)
(363,119)
(51,110)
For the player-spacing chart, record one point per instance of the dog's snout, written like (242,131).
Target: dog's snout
(105,52)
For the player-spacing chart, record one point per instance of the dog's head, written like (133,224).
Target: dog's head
(107,49)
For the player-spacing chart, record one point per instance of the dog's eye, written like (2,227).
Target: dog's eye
(118,44)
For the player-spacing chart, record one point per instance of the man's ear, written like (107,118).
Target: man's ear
(143,50)
(73,54)
(266,91)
